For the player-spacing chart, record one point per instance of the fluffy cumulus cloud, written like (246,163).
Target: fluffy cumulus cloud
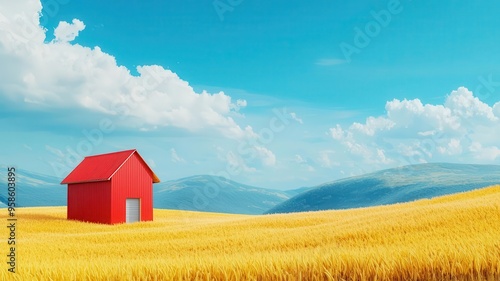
(462,129)
(265,155)
(41,77)
(373,125)
(67,32)
(337,133)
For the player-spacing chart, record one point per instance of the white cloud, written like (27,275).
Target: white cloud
(296,118)
(453,147)
(463,104)
(496,109)
(330,61)
(303,163)
(67,32)
(427,133)
(299,159)
(490,153)
(265,155)
(358,148)
(19,24)
(382,158)
(373,125)
(174,157)
(413,114)
(337,133)
(325,160)
(249,132)
(463,128)
(40,77)
(239,105)
(237,164)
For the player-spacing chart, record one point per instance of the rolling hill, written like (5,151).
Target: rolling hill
(217,194)
(454,237)
(390,186)
(34,189)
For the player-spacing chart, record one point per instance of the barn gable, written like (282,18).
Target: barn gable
(103,167)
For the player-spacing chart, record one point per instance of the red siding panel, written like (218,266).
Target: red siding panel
(90,202)
(133,180)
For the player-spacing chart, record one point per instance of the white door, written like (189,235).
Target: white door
(133,210)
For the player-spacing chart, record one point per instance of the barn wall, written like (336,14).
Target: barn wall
(133,180)
(89,202)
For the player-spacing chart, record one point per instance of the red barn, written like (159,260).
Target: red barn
(111,188)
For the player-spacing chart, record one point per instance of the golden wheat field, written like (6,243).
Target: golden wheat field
(454,237)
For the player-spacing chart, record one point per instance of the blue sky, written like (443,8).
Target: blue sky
(273,94)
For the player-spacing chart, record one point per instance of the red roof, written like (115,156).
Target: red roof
(102,167)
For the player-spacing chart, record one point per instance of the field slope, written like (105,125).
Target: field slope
(456,237)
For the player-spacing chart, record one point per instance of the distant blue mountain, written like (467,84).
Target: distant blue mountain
(391,186)
(34,189)
(217,194)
